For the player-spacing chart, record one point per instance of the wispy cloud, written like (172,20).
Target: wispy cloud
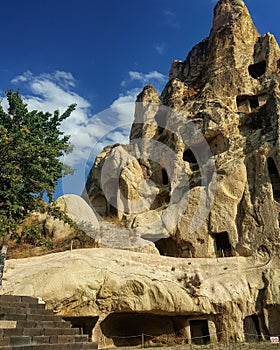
(160,48)
(170,19)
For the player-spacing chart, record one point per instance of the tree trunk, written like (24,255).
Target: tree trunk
(2,262)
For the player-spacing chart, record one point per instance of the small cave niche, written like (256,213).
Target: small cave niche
(85,324)
(251,328)
(223,248)
(100,205)
(247,103)
(169,247)
(189,157)
(199,332)
(219,144)
(274,178)
(257,70)
(131,328)
(165,179)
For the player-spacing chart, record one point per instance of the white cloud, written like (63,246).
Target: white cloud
(106,128)
(48,92)
(89,133)
(151,77)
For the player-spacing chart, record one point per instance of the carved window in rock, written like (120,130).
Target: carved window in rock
(223,248)
(274,178)
(257,70)
(247,103)
(251,328)
(199,332)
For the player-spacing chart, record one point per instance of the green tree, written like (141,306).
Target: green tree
(31,147)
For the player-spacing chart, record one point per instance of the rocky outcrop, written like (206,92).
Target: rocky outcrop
(111,286)
(198,183)
(201,169)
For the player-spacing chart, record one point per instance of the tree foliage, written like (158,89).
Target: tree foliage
(31,147)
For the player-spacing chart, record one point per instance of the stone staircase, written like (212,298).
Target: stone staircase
(25,324)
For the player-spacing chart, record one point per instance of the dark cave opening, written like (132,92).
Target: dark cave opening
(199,332)
(223,247)
(169,247)
(189,157)
(251,328)
(274,178)
(165,180)
(85,324)
(127,329)
(254,102)
(257,70)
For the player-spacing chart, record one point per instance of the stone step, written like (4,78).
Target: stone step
(26,310)
(18,299)
(43,324)
(21,305)
(37,331)
(26,324)
(29,317)
(75,346)
(43,339)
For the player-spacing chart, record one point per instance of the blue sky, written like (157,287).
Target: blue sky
(99,54)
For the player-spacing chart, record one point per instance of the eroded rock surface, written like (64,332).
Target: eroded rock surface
(106,283)
(199,181)
(201,169)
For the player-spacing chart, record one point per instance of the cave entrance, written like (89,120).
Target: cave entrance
(168,247)
(189,157)
(251,328)
(165,179)
(129,329)
(85,324)
(257,70)
(100,205)
(274,178)
(199,332)
(222,245)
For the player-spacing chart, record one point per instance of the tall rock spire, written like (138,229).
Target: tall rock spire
(229,62)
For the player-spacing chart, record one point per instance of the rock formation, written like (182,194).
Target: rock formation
(200,175)
(200,179)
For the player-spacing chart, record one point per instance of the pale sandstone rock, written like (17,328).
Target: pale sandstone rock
(80,212)
(101,282)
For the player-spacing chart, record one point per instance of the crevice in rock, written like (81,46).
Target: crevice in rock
(165,179)
(274,178)
(257,70)
(222,245)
